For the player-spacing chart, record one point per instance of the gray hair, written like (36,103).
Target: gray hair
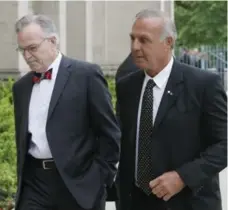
(169,27)
(43,21)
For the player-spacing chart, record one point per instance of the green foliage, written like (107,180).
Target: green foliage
(201,22)
(7,141)
(111,85)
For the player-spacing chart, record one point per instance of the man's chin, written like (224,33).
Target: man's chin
(35,68)
(38,70)
(140,64)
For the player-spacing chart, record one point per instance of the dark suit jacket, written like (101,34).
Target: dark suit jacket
(82,130)
(125,69)
(189,135)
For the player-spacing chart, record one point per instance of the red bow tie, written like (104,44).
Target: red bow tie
(37,77)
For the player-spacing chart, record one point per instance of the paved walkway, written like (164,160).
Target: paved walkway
(223,184)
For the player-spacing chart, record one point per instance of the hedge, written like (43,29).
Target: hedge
(7,143)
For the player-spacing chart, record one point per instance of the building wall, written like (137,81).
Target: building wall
(101,33)
(50,8)
(118,22)
(8,54)
(95,31)
(75,29)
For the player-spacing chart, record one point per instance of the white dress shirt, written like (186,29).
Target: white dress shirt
(160,80)
(38,111)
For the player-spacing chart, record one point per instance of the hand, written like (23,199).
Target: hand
(167,185)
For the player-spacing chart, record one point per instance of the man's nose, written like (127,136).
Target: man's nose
(135,45)
(27,54)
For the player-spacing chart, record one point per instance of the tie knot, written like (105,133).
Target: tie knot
(37,77)
(151,84)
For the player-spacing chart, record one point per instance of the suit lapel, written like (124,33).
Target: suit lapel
(136,86)
(61,79)
(172,90)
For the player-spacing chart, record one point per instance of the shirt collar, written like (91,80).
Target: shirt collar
(56,62)
(161,78)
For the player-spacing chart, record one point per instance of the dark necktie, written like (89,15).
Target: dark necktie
(144,166)
(37,77)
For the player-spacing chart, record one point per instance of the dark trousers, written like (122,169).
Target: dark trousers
(45,190)
(141,201)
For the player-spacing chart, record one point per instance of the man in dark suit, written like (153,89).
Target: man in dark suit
(67,135)
(174,126)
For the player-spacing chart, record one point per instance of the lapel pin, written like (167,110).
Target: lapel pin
(169,92)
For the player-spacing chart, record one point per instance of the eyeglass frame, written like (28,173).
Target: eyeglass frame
(36,47)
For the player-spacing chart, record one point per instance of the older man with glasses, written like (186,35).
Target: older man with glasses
(67,135)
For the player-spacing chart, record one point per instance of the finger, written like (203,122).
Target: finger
(154,183)
(167,197)
(161,194)
(157,189)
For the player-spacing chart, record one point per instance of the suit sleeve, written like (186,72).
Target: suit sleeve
(105,125)
(214,126)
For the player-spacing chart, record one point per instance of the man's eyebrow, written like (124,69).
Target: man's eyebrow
(27,46)
(144,36)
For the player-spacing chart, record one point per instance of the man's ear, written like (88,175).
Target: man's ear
(169,42)
(53,40)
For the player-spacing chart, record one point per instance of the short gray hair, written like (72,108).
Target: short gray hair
(169,28)
(43,21)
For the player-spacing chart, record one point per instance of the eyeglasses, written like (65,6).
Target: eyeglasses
(32,48)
